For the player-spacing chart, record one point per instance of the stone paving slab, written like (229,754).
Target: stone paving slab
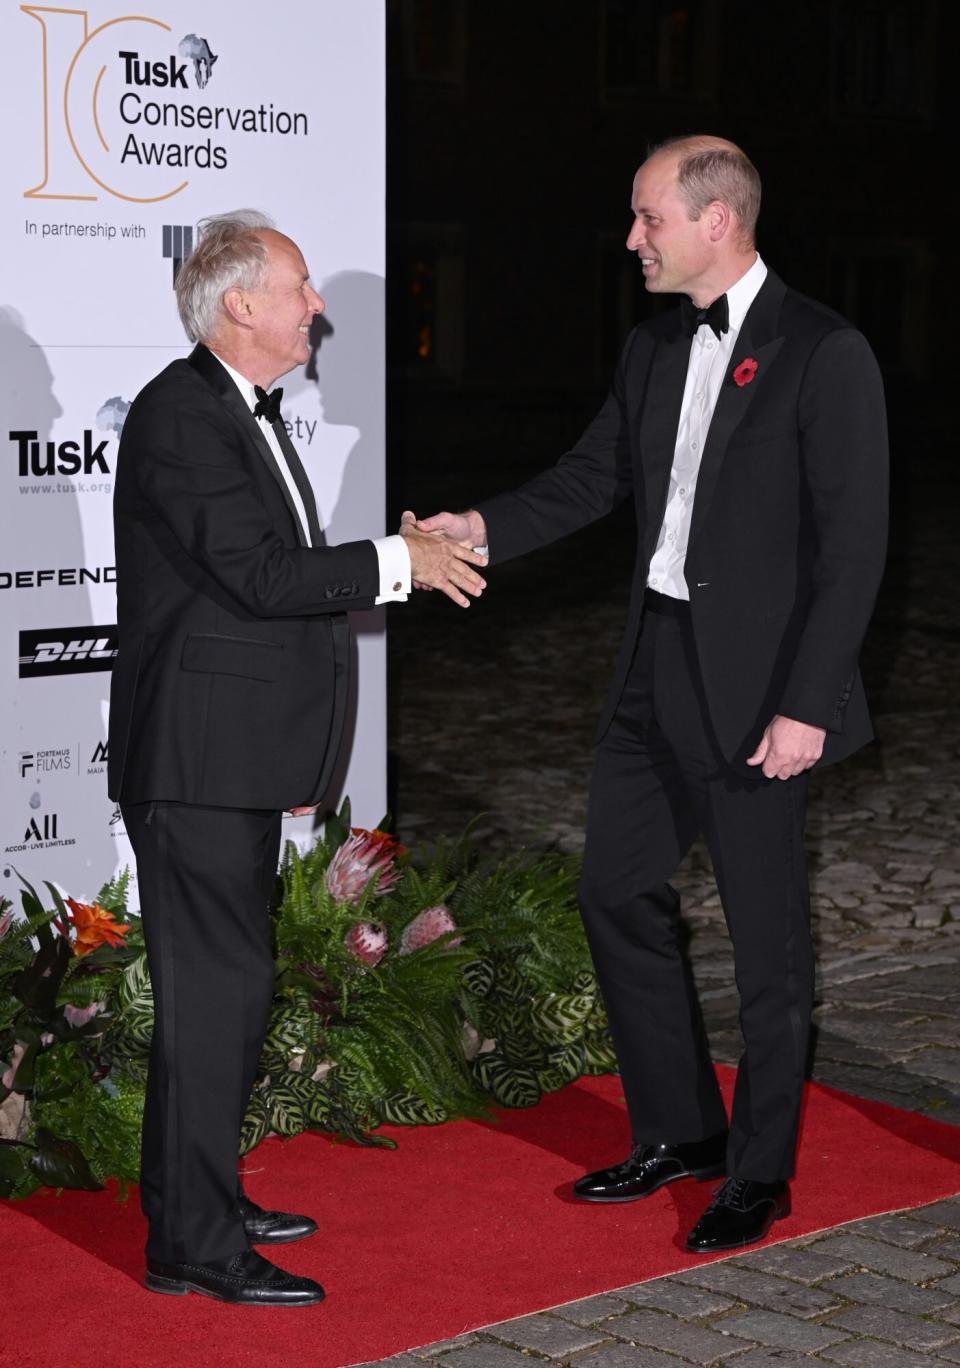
(788,1261)
(666,1294)
(654,1330)
(897,1229)
(548,1335)
(777,1331)
(627,1356)
(592,1309)
(758,1289)
(883,1323)
(871,1289)
(870,1354)
(879,1257)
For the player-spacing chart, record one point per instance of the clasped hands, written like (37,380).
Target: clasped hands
(442,554)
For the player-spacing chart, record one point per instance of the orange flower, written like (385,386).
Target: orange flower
(94,926)
(382,841)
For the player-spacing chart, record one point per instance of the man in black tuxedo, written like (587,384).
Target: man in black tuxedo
(228,700)
(748,424)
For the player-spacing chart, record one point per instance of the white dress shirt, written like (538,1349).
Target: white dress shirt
(393,558)
(709,360)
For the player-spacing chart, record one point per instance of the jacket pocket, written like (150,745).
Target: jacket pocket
(244,656)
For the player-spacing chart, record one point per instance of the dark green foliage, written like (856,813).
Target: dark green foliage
(498,1005)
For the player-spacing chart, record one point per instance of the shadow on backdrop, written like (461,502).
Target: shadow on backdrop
(346,365)
(45,530)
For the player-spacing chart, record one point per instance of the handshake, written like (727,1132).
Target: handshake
(443,553)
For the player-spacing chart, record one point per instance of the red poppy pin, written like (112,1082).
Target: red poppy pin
(745,372)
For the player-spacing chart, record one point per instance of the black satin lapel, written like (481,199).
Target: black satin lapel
(732,406)
(302,482)
(658,426)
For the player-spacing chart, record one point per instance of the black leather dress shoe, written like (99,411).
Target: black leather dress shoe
(273,1227)
(651,1166)
(742,1211)
(247,1279)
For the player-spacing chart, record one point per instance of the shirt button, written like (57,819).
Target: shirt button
(682,493)
(694,446)
(709,346)
(700,395)
(397,586)
(671,536)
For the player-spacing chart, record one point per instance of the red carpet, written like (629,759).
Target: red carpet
(464,1225)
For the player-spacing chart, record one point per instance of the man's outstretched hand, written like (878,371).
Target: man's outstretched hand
(788,747)
(439,561)
(467,528)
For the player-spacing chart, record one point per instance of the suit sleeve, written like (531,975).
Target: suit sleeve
(586,483)
(844,463)
(190,473)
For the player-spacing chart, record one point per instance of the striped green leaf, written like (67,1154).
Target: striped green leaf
(404,1109)
(599,1056)
(558,1018)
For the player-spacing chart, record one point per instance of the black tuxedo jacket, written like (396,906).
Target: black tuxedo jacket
(231,681)
(788,535)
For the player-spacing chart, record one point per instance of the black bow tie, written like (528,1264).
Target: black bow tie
(267,405)
(717,316)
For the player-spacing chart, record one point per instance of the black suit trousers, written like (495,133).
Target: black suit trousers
(659,780)
(205,876)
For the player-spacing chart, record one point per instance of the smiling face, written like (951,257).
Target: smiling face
(281,310)
(676,252)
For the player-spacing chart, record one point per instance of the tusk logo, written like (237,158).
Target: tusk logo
(112,414)
(197,51)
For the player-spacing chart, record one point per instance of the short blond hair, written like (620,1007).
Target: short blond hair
(711,169)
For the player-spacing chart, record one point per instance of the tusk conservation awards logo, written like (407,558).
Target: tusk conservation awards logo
(122,108)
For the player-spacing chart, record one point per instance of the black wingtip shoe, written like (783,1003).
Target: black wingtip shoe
(246,1279)
(651,1166)
(741,1213)
(273,1227)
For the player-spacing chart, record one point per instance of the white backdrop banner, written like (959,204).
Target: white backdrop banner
(120,133)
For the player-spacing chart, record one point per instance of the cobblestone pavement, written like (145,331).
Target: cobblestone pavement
(492,711)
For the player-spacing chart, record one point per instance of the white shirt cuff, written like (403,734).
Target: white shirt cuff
(394,561)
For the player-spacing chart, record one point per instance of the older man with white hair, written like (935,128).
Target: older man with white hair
(228,701)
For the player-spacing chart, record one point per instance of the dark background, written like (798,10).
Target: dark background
(514,131)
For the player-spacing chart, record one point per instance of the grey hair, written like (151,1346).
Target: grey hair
(229,254)
(711,169)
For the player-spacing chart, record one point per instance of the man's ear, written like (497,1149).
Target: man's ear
(237,306)
(720,220)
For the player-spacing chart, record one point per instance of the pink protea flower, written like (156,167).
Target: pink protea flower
(79,1016)
(362,856)
(6,917)
(426,927)
(368,941)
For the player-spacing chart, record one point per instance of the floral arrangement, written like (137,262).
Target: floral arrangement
(409,991)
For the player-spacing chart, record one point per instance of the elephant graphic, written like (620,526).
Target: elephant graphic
(197,51)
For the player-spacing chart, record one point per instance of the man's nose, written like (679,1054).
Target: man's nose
(635,237)
(317,304)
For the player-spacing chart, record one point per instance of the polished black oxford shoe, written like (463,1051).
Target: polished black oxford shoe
(273,1227)
(246,1279)
(741,1213)
(651,1166)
